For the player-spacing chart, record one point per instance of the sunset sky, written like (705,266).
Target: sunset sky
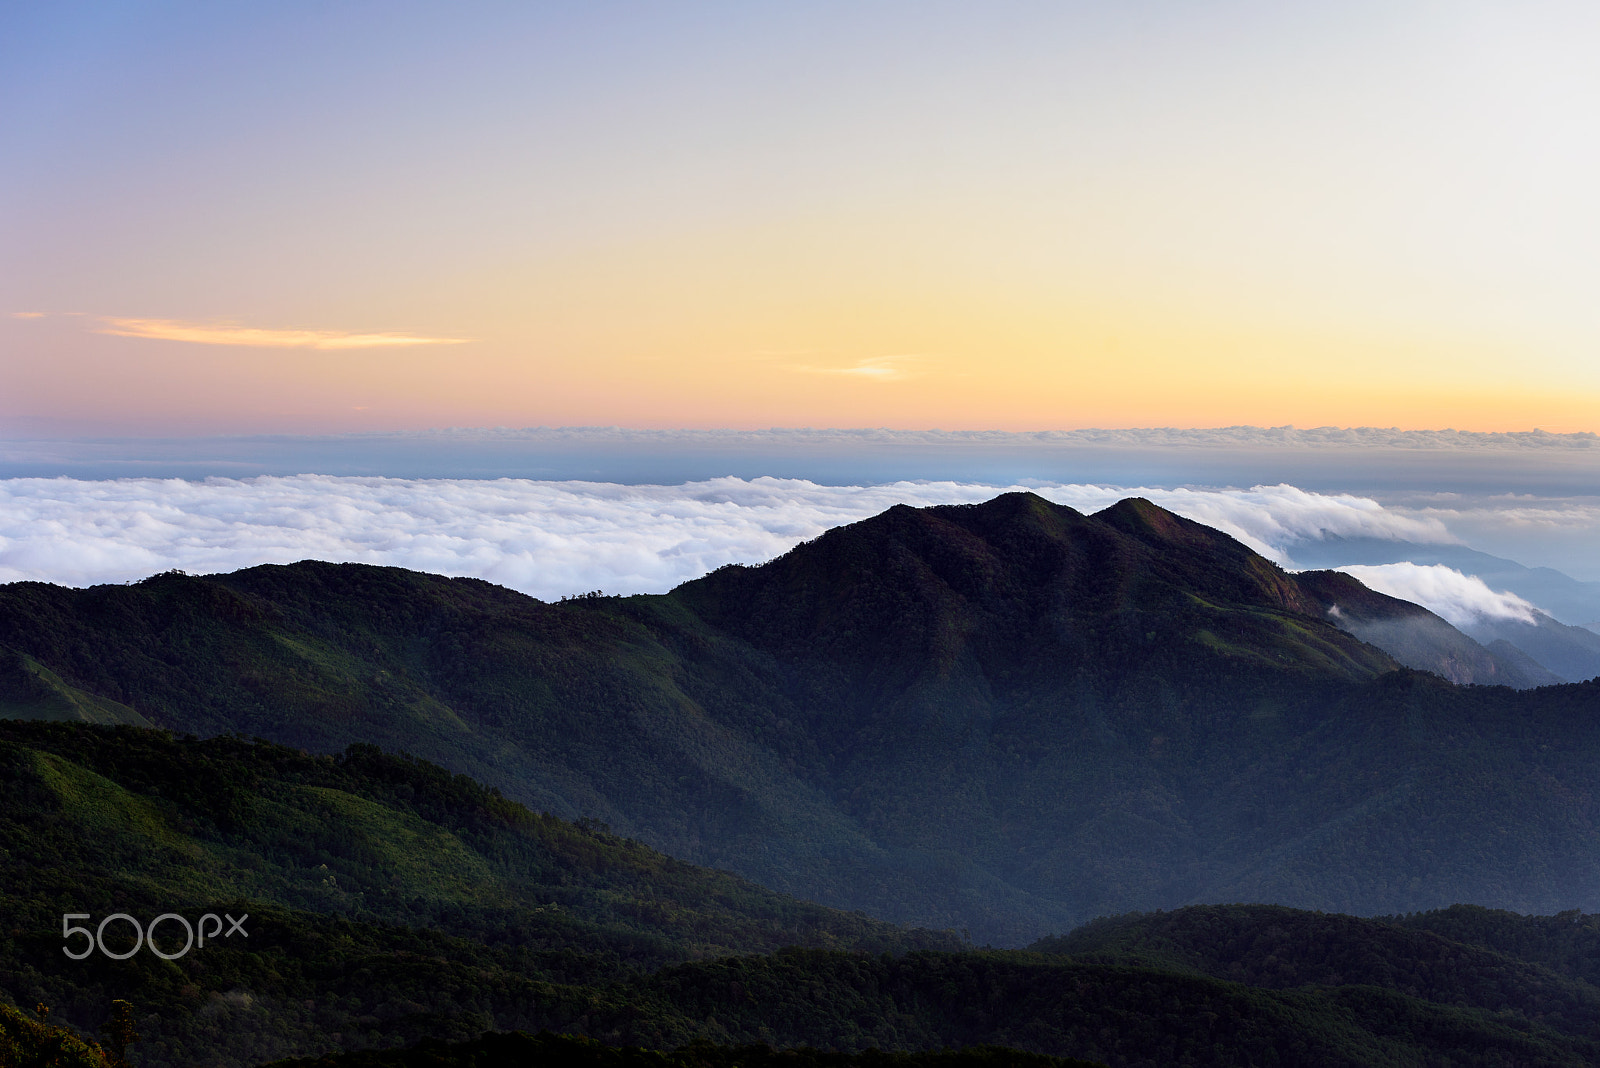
(342,216)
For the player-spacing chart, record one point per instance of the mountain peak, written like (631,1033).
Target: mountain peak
(1154,525)
(1018,581)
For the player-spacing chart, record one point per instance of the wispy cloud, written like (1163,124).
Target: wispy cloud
(876,369)
(1461,599)
(1272,520)
(256,337)
(27,315)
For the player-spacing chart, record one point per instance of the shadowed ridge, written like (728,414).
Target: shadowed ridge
(894,582)
(1019,508)
(1018,581)
(1207,559)
(1276,947)
(1355,598)
(1150,522)
(1518,661)
(315,585)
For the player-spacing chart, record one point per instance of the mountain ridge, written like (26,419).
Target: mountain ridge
(1006,717)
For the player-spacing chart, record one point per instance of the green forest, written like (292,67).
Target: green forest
(390,902)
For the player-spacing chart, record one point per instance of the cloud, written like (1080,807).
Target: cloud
(1272,519)
(543,538)
(1559,514)
(877,369)
(1461,599)
(232,334)
(28,315)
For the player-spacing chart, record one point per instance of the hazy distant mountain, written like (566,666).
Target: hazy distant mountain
(1571,601)
(1419,639)
(1007,717)
(1558,639)
(1571,652)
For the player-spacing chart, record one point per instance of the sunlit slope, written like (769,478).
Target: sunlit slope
(29,690)
(384,837)
(387,898)
(1005,717)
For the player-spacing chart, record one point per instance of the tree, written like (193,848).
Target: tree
(120,1032)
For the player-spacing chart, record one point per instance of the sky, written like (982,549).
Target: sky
(345,217)
(604,295)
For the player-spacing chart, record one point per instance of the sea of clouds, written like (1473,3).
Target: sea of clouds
(556,538)
(549,538)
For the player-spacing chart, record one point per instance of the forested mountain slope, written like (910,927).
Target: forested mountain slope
(383,900)
(1006,717)
(387,899)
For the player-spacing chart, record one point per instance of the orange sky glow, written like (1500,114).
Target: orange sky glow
(889,215)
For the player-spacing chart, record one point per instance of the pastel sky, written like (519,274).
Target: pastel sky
(341,216)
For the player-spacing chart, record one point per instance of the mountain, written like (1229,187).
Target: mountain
(1007,717)
(1419,639)
(26,1039)
(29,690)
(1121,1014)
(1235,985)
(382,900)
(1285,949)
(1568,600)
(1573,653)
(1535,972)
(1559,640)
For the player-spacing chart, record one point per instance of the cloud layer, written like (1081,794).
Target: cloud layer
(544,538)
(1461,599)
